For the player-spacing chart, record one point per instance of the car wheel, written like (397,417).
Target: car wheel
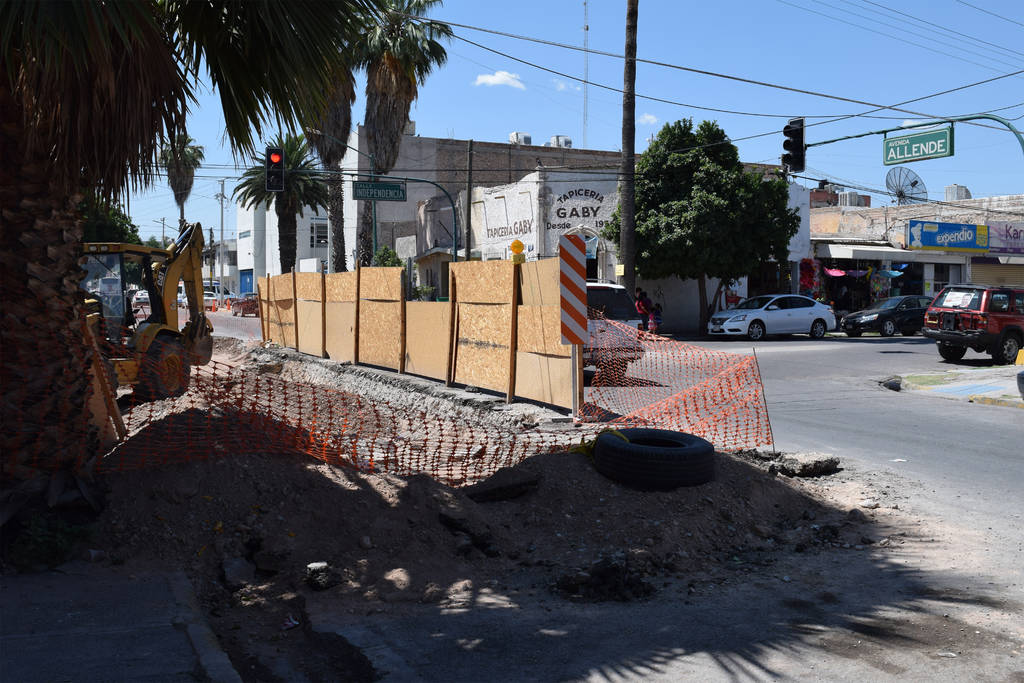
(756,331)
(655,459)
(853,333)
(234,312)
(951,353)
(818,329)
(1006,352)
(888,328)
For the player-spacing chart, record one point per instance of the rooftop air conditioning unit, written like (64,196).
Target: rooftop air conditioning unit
(560,141)
(517,138)
(849,199)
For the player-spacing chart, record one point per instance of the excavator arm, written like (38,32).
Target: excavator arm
(185,263)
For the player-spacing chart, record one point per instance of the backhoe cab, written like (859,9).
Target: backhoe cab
(152,354)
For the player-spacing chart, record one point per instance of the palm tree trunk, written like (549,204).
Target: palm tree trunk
(336,216)
(627,232)
(287,227)
(44,419)
(365,237)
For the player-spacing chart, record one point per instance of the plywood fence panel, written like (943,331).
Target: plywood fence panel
(539,283)
(381,283)
(310,327)
(483,282)
(341,328)
(482,357)
(281,322)
(544,378)
(428,334)
(380,334)
(341,286)
(308,287)
(540,331)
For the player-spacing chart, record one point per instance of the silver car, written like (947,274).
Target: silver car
(774,314)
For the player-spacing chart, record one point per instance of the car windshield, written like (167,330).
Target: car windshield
(613,303)
(959,297)
(754,303)
(891,302)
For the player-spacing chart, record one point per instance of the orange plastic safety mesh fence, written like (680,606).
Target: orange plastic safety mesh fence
(632,379)
(650,380)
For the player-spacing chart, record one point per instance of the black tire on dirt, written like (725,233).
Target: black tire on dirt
(655,459)
(818,329)
(164,371)
(888,328)
(1006,350)
(756,331)
(951,353)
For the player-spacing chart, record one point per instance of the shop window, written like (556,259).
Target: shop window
(317,234)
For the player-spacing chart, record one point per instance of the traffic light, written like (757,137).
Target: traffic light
(275,169)
(793,159)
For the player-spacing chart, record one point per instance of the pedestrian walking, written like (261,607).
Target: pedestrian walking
(654,319)
(643,307)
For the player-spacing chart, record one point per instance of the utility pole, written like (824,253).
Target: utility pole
(627,232)
(469,198)
(163,231)
(586,66)
(220,251)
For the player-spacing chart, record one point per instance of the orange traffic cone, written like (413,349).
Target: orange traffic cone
(213,308)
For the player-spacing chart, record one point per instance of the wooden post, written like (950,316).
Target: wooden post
(577,390)
(323,313)
(401,338)
(295,309)
(266,335)
(513,340)
(355,323)
(453,329)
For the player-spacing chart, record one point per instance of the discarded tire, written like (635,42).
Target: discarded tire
(655,459)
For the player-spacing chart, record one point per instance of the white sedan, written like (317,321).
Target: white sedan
(774,314)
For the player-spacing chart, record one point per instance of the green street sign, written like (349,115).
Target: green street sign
(380,192)
(930,144)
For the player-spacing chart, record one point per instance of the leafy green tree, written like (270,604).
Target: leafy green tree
(181,158)
(103,221)
(700,215)
(154,242)
(398,53)
(301,189)
(386,257)
(87,91)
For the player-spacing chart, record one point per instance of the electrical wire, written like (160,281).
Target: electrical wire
(902,39)
(999,16)
(938,26)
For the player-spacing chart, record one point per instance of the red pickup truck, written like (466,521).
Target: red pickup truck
(249,304)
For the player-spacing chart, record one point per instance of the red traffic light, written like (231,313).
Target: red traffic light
(275,157)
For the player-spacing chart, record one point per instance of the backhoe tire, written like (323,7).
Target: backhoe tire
(655,459)
(165,371)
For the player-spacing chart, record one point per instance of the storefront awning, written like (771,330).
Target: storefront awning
(879,253)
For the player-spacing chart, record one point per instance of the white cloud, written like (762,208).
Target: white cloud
(500,78)
(561,85)
(647,119)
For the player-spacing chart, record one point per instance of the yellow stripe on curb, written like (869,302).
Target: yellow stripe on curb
(1020,358)
(988,401)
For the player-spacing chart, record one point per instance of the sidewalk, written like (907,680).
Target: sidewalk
(991,385)
(87,622)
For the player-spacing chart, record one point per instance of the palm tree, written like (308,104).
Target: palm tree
(330,144)
(87,89)
(398,54)
(301,189)
(181,158)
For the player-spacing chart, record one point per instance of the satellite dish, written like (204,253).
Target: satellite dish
(905,185)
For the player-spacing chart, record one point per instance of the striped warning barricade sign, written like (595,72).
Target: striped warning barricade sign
(573,279)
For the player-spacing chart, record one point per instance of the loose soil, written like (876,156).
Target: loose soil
(246,527)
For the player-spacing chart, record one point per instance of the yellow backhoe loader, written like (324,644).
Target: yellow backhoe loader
(152,354)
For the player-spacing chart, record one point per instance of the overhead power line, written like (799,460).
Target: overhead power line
(998,16)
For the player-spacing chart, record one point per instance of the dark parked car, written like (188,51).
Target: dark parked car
(887,316)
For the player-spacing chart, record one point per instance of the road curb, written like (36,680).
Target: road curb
(990,401)
(212,658)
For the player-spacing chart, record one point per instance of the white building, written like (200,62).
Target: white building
(259,253)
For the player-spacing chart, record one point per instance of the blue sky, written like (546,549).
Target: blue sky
(848,48)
